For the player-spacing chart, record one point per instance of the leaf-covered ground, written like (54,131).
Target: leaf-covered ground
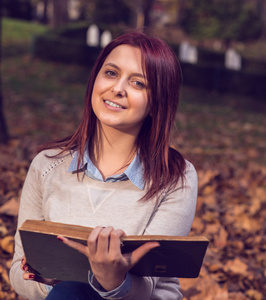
(222,135)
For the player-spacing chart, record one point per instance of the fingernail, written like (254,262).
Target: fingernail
(60,239)
(24,268)
(31,276)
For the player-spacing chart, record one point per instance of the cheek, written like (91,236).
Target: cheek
(96,88)
(100,86)
(96,92)
(143,105)
(93,100)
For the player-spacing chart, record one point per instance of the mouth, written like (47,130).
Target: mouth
(113,104)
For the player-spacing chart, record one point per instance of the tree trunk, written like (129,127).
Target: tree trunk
(45,18)
(180,13)
(147,6)
(262,13)
(3,128)
(60,15)
(142,10)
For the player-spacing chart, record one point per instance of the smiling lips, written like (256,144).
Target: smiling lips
(113,104)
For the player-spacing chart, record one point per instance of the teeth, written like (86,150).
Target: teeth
(113,104)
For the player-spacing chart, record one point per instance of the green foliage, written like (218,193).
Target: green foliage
(17,36)
(17,31)
(225,19)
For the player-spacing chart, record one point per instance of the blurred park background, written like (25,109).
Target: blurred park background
(47,50)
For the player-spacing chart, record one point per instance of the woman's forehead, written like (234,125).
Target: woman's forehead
(126,57)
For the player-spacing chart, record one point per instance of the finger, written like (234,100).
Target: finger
(24,268)
(77,246)
(23,261)
(93,239)
(28,276)
(46,281)
(142,250)
(32,276)
(115,240)
(104,240)
(23,264)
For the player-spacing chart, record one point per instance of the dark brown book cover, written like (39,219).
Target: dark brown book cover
(176,257)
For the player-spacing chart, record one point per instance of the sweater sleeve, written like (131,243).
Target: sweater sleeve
(30,208)
(173,216)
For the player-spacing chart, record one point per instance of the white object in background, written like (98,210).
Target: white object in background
(106,38)
(73,9)
(233,60)
(188,53)
(93,34)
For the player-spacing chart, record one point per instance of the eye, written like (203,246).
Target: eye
(110,73)
(139,84)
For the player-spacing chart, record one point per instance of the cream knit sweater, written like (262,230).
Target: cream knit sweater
(52,193)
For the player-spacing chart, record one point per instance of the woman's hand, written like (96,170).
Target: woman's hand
(29,274)
(108,264)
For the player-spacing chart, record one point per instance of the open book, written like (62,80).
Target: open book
(50,258)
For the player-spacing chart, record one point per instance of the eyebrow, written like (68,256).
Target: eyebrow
(133,74)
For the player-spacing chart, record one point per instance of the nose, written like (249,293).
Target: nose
(119,88)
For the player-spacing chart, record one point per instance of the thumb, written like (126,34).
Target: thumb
(137,254)
(77,246)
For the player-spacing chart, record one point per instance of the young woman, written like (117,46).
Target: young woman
(116,173)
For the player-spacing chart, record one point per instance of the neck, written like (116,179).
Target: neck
(112,151)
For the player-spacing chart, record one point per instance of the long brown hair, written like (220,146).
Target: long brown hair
(163,166)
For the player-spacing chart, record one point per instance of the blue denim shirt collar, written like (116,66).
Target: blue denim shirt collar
(134,171)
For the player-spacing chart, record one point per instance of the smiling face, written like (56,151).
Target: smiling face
(119,98)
